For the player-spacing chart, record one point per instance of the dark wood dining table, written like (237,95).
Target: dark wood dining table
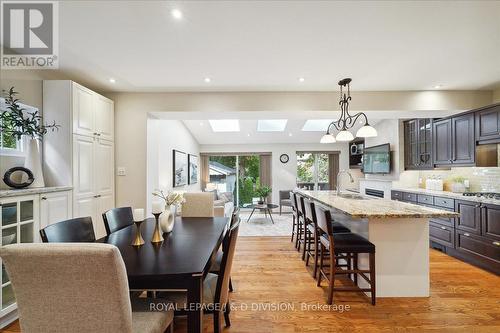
(181,261)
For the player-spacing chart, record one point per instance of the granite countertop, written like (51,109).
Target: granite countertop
(28,191)
(452,195)
(369,207)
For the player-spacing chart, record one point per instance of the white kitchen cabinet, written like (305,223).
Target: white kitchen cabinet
(104,118)
(83,110)
(55,207)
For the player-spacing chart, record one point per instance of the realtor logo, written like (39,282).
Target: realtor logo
(29,35)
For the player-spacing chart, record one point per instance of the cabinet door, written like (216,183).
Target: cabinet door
(83,110)
(469,218)
(442,142)
(83,166)
(104,118)
(104,167)
(411,144)
(55,207)
(490,221)
(424,135)
(463,143)
(84,206)
(488,124)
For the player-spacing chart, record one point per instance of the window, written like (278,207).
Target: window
(313,171)
(8,144)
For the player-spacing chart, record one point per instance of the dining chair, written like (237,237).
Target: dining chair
(285,200)
(215,268)
(198,204)
(117,218)
(215,287)
(343,246)
(79,229)
(76,288)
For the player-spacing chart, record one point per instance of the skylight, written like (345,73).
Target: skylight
(225,125)
(316,125)
(271,125)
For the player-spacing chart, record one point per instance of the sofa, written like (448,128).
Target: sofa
(223,203)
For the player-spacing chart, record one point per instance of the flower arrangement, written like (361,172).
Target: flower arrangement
(263,192)
(171,198)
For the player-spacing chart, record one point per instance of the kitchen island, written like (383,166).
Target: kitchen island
(400,232)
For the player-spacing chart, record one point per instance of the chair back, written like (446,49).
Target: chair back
(69,287)
(198,204)
(70,231)
(293,201)
(324,220)
(301,205)
(310,214)
(284,195)
(222,290)
(117,218)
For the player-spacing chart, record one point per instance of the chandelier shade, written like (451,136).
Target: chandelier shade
(366,131)
(344,136)
(328,138)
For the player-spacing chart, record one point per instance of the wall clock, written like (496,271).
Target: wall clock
(284,158)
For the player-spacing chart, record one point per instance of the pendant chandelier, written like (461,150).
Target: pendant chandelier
(346,121)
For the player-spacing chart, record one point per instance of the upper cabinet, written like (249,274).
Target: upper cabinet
(93,114)
(454,141)
(488,124)
(418,144)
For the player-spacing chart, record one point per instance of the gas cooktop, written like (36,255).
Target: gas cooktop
(488,195)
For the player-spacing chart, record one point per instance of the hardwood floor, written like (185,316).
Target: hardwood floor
(267,270)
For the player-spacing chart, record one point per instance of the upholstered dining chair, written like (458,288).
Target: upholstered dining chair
(285,199)
(215,287)
(79,229)
(117,218)
(198,204)
(76,288)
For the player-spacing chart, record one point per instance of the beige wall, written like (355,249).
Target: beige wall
(496,96)
(132,111)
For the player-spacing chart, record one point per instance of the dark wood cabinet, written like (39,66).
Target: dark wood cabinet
(441,141)
(488,124)
(469,218)
(418,144)
(490,222)
(454,141)
(441,234)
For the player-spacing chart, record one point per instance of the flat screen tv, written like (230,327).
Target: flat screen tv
(377,159)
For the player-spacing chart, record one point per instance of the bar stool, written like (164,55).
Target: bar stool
(294,213)
(299,223)
(350,244)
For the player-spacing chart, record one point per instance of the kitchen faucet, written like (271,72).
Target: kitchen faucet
(338,179)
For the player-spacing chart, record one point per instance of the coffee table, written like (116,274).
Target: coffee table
(263,207)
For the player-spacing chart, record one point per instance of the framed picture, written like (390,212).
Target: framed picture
(193,169)
(180,167)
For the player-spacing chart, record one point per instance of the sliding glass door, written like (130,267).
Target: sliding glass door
(313,171)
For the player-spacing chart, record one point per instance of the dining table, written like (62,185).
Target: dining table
(181,261)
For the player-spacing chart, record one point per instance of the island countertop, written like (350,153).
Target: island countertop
(368,207)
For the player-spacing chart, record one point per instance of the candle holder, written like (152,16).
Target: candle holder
(157,236)
(138,240)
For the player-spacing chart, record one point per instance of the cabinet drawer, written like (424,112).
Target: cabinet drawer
(481,246)
(442,234)
(444,202)
(408,197)
(425,199)
(396,195)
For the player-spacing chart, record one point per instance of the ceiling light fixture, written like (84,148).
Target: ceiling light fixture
(290,134)
(207,80)
(346,120)
(176,14)
(111,80)
(301,79)
(437,86)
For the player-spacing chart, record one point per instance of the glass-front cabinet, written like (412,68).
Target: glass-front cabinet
(19,224)
(418,144)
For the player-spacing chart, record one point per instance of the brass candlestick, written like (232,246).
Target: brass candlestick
(157,237)
(138,240)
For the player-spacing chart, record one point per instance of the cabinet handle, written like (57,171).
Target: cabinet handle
(98,134)
(477,206)
(95,133)
(444,228)
(466,234)
(496,243)
(44,198)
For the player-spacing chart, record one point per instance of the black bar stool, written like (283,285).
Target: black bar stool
(299,218)
(343,243)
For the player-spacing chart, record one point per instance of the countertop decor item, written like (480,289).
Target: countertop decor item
(7,178)
(138,215)
(172,199)
(263,192)
(18,121)
(284,158)
(346,120)
(157,211)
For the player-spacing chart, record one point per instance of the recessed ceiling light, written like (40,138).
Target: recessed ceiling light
(248,134)
(271,125)
(316,125)
(201,124)
(176,13)
(438,86)
(111,80)
(207,80)
(290,134)
(225,125)
(301,79)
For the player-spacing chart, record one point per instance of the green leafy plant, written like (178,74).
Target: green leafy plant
(16,121)
(459,179)
(263,191)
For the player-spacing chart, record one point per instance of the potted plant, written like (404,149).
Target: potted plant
(263,192)
(17,122)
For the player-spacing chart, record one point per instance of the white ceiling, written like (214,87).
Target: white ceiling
(268,45)
(197,123)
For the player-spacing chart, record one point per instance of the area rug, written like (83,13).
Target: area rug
(259,225)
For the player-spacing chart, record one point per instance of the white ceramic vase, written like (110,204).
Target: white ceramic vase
(167,219)
(33,161)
